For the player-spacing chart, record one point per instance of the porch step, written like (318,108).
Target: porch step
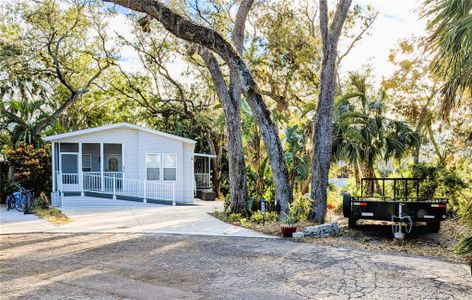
(206,195)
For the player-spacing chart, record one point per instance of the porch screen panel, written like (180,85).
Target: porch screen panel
(69,163)
(153,166)
(69,147)
(169,165)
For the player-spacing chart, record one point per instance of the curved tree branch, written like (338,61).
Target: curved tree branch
(189,31)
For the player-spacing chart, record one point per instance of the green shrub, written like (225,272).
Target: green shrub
(256,217)
(31,167)
(430,182)
(234,217)
(272,217)
(227,202)
(41,201)
(289,219)
(300,208)
(335,201)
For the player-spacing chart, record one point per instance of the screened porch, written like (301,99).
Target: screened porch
(100,168)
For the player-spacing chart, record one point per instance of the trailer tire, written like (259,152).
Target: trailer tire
(352,223)
(347,205)
(433,226)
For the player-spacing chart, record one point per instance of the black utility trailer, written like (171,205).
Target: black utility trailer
(397,200)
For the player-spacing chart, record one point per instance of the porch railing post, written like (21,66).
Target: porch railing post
(102,162)
(60,185)
(53,155)
(114,187)
(144,192)
(173,194)
(81,175)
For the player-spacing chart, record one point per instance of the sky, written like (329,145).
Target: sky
(397,19)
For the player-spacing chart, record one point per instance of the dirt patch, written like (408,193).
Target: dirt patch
(419,242)
(377,236)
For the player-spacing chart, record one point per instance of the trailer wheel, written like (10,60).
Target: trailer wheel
(352,223)
(347,205)
(433,226)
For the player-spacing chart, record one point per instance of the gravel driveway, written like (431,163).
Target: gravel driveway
(151,266)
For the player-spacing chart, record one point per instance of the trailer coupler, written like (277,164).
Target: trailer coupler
(398,222)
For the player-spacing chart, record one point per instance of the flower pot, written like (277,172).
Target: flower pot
(288,229)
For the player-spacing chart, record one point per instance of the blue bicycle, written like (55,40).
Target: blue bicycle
(17,200)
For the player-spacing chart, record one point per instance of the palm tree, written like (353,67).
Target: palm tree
(451,43)
(21,118)
(363,134)
(22,103)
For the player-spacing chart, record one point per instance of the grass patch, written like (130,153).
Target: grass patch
(52,215)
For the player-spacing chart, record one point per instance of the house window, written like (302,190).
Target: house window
(153,166)
(86,162)
(169,166)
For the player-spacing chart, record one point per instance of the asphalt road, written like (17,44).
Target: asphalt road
(150,266)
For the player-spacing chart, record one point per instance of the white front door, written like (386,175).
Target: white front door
(70,171)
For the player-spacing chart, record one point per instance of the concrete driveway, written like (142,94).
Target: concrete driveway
(156,266)
(101,215)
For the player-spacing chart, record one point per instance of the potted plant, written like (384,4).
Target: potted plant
(288,225)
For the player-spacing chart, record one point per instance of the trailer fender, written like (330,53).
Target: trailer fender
(346,205)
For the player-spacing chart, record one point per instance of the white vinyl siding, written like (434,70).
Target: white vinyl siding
(189,178)
(151,143)
(138,143)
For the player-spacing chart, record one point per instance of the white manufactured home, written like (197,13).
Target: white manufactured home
(128,162)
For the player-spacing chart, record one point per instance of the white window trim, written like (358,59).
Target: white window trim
(145,166)
(161,168)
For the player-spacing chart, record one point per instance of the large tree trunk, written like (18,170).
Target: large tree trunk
(231,110)
(323,125)
(230,99)
(189,31)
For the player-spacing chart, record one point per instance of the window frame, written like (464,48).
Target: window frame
(145,166)
(161,168)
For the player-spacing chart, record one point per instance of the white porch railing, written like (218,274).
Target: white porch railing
(68,182)
(114,184)
(202,180)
